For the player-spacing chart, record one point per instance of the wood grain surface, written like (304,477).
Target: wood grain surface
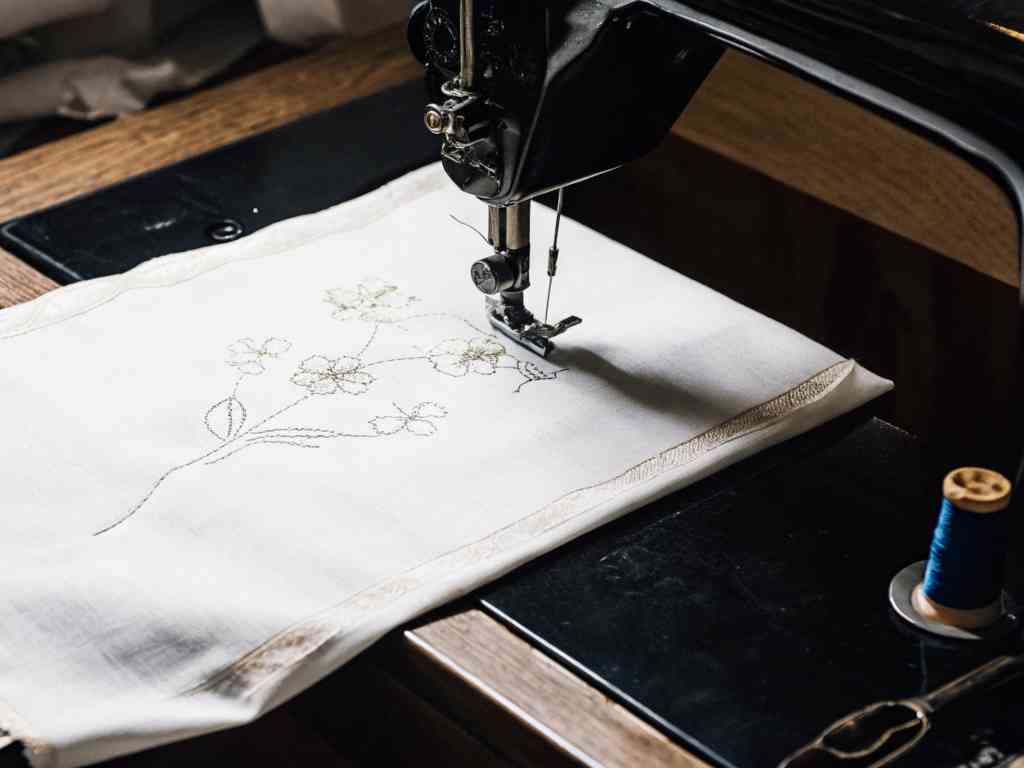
(519,698)
(846,155)
(19,282)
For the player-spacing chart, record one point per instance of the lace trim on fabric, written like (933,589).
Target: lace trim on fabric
(290,647)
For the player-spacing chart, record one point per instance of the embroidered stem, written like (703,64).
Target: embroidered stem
(396,360)
(372,301)
(366,346)
(231,441)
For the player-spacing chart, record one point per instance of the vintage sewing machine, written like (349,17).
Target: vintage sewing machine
(535,96)
(723,617)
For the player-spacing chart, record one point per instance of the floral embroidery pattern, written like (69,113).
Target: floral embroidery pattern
(372,301)
(457,357)
(250,359)
(418,421)
(324,376)
(230,422)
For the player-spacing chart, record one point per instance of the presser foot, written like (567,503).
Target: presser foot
(518,323)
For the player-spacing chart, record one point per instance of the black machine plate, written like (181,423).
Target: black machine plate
(749,611)
(740,615)
(300,168)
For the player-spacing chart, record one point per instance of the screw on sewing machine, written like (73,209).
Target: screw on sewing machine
(225,231)
(434,119)
(492,275)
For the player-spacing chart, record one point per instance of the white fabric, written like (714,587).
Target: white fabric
(297,441)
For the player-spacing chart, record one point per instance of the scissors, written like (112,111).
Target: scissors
(881,733)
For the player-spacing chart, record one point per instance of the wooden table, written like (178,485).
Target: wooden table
(461,683)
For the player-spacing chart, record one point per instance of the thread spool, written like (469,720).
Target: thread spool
(959,591)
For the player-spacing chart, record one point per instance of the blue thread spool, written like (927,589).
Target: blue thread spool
(960,591)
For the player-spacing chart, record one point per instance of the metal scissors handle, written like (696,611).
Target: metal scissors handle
(879,734)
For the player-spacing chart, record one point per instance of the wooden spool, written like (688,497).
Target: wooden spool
(981,491)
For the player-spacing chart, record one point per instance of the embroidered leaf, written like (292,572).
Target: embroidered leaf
(531,370)
(226,418)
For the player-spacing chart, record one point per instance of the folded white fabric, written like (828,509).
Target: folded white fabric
(227,472)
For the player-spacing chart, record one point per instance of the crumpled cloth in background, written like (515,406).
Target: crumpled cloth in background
(98,58)
(303,22)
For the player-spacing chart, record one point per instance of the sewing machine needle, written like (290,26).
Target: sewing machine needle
(547,303)
(553,254)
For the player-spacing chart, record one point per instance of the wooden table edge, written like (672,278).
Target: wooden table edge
(480,657)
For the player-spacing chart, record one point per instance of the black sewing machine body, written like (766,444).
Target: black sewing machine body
(529,97)
(566,89)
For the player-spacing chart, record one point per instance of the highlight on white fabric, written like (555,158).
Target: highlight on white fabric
(227,472)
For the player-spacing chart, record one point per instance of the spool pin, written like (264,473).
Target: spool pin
(972,491)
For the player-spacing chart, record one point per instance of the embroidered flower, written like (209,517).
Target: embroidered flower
(250,358)
(325,376)
(372,300)
(457,357)
(419,421)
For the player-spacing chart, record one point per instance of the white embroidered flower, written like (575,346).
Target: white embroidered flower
(373,301)
(457,357)
(419,421)
(250,358)
(325,376)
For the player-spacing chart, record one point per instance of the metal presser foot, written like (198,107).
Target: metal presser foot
(505,275)
(518,323)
